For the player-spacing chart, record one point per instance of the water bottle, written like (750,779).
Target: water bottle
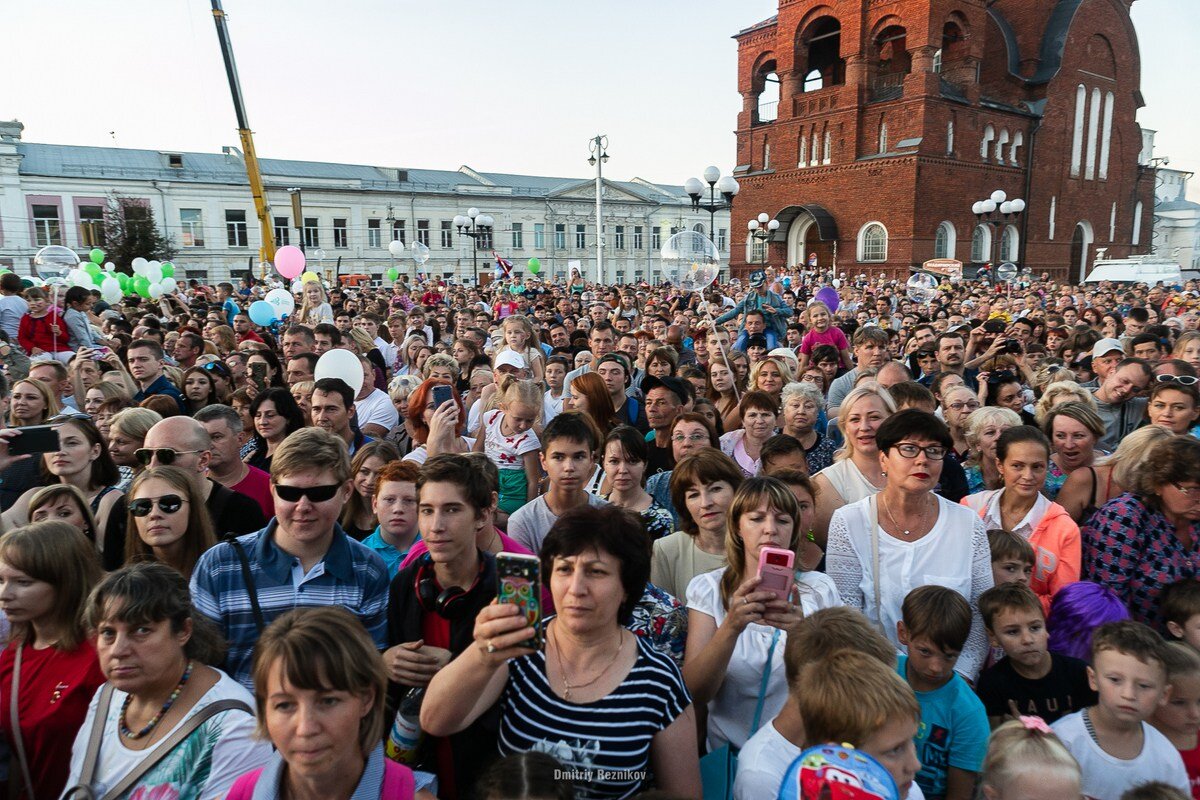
(404,739)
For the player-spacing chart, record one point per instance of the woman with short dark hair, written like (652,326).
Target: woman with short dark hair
(276,415)
(624,463)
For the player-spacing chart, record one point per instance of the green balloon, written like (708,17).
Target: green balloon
(168,269)
(97,255)
(98,278)
(123,282)
(393,273)
(141,285)
(535,266)
(92,269)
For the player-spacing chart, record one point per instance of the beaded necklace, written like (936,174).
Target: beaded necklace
(128,734)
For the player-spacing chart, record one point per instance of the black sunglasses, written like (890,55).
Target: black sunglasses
(317,494)
(218,367)
(168,504)
(166,455)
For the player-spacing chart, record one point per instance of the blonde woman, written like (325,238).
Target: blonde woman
(407,356)
(1187,348)
(983,431)
(855,472)
(31,403)
(770,375)
(1061,392)
(1089,488)
(302,392)
(442,367)
(315,308)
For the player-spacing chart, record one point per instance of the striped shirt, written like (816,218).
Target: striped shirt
(350,575)
(604,746)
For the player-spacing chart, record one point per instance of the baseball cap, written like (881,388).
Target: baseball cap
(786,354)
(756,281)
(1106,346)
(510,358)
(616,358)
(674,385)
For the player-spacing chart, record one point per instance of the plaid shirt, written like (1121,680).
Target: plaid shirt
(350,575)
(1132,549)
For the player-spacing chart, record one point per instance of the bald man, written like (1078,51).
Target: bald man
(183,442)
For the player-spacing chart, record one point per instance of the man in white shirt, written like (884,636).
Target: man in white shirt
(376,413)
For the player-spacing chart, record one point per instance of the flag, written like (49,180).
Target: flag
(503,264)
(812,259)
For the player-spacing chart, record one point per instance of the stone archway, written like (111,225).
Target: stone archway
(807,230)
(797,240)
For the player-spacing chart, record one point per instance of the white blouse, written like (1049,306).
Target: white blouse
(953,554)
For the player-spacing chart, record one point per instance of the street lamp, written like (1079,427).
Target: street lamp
(726,186)
(476,226)
(997,210)
(598,147)
(762,228)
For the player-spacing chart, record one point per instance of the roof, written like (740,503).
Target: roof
(766,23)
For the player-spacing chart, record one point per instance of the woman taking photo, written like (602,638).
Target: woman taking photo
(624,463)
(856,472)
(916,534)
(1087,489)
(723,391)
(126,434)
(702,487)
(1023,456)
(803,405)
(270,363)
(358,520)
(173,526)
(737,632)
(592,678)
(759,411)
(590,396)
(47,570)
(166,724)
(1140,542)
(276,415)
(1073,429)
(436,430)
(983,429)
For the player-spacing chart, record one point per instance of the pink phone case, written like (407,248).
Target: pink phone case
(776,569)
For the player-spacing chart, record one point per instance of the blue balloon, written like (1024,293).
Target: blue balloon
(262,312)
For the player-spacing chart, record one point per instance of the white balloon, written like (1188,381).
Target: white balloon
(168,285)
(110,290)
(154,272)
(396,248)
(282,301)
(341,364)
(297,286)
(155,291)
(138,265)
(110,267)
(78,277)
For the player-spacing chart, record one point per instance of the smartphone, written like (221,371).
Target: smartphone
(441,394)
(776,571)
(994,326)
(35,439)
(100,353)
(519,581)
(258,374)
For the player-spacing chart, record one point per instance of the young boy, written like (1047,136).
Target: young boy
(1012,557)
(767,754)
(1180,606)
(1029,680)
(952,738)
(555,373)
(1179,718)
(853,699)
(395,506)
(1115,747)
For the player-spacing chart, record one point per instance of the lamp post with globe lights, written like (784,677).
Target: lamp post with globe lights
(477,226)
(762,228)
(598,146)
(996,211)
(725,185)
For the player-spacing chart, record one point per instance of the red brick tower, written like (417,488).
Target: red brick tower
(894,116)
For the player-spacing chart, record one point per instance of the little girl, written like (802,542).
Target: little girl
(315,308)
(41,331)
(1177,719)
(821,330)
(511,444)
(520,337)
(1026,760)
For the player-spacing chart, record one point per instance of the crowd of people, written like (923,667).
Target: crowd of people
(231,575)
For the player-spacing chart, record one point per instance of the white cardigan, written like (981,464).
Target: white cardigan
(954,554)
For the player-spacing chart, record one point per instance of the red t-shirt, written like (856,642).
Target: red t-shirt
(52,701)
(257,486)
(1191,762)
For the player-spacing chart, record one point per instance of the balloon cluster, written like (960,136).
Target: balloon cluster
(418,251)
(60,266)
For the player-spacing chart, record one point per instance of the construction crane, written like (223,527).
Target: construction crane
(239,107)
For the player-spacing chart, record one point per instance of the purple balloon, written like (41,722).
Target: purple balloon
(829,296)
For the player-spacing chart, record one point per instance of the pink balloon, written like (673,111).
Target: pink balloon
(289,261)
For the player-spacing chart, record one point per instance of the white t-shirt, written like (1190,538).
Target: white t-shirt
(420,453)
(1106,777)
(530,523)
(731,711)
(12,308)
(235,749)
(764,761)
(507,452)
(377,409)
(551,407)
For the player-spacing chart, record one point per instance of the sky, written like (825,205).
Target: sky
(517,87)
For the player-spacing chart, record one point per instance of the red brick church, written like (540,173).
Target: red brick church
(873,126)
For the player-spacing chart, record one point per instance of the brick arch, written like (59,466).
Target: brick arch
(765,58)
(1100,56)
(823,56)
(882,24)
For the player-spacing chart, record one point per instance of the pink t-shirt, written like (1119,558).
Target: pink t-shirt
(832,335)
(257,486)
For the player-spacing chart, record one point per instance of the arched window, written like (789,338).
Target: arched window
(1017,142)
(1093,136)
(766,153)
(814,155)
(768,100)
(981,244)
(1137,223)
(756,249)
(1106,136)
(950,138)
(828,147)
(989,135)
(814,81)
(1001,143)
(872,242)
(818,54)
(937,61)
(699,228)
(1077,132)
(944,241)
(1009,242)
(883,140)
(802,161)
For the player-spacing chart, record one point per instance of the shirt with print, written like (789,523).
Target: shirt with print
(1064,690)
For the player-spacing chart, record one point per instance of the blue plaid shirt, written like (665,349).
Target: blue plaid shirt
(350,575)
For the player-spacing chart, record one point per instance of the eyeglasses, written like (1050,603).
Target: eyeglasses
(317,494)
(166,455)
(1182,380)
(1190,492)
(934,452)
(971,404)
(216,366)
(168,504)
(695,437)
(67,416)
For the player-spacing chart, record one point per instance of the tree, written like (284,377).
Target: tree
(130,232)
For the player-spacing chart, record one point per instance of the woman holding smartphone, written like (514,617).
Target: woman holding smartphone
(737,630)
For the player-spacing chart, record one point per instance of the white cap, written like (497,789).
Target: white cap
(1106,346)
(510,358)
(785,353)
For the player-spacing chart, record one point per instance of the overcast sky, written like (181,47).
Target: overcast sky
(518,86)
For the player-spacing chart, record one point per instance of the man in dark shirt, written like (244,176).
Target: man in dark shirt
(666,398)
(145,359)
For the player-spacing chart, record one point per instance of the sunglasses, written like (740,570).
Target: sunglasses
(68,416)
(168,504)
(1182,380)
(317,494)
(166,455)
(218,367)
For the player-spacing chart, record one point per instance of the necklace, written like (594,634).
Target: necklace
(896,525)
(567,687)
(128,734)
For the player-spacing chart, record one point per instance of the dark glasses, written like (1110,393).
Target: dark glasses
(166,455)
(317,494)
(1182,380)
(168,504)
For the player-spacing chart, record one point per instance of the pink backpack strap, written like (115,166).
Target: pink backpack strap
(243,787)
(398,783)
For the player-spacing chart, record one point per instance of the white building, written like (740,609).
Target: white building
(1176,219)
(55,194)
